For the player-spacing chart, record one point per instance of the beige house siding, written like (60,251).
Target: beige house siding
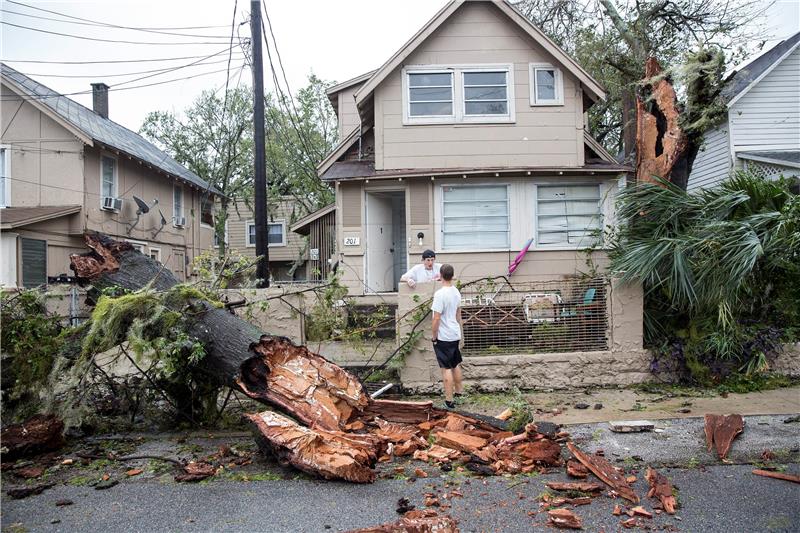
(284,211)
(478,33)
(46,158)
(347,112)
(421,193)
(50,166)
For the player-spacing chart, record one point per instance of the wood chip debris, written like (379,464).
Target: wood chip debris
(777,475)
(416,521)
(604,470)
(661,488)
(720,431)
(564,519)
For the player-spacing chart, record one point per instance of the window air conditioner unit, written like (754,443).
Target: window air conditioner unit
(109,203)
(180,221)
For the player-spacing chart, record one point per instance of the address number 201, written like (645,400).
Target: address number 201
(352,241)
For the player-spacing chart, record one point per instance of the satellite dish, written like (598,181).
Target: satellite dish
(143,207)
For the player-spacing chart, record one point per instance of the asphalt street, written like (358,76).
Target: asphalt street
(713,497)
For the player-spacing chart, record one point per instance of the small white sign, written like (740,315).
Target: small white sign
(352,241)
(313,254)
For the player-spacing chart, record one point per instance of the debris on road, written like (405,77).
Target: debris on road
(416,521)
(661,488)
(39,433)
(196,471)
(564,519)
(606,472)
(576,469)
(720,431)
(631,426)
(28,490)
(585,486)
(777,475)
(505,415)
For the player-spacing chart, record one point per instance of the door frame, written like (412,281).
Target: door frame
(378,190)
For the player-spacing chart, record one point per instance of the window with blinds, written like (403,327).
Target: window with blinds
(568,216)
(475,217)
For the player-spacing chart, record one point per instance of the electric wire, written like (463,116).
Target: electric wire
(164,69)
(110,61)
(109,24)
(98,39)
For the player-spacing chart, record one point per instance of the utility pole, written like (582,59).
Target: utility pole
(260,163)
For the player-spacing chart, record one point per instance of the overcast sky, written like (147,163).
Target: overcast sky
(336,39)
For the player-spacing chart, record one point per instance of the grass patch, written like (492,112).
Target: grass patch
(79,481)
(743,383)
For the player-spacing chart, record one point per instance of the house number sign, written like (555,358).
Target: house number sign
(352,241)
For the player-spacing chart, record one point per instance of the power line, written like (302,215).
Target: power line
(105,25)
(165,69)
(115,41)
(110,61)
(113,88)
(108,24)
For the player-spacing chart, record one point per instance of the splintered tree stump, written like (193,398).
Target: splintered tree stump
(415,521)
(38,434)
(661,489)
(316,391)
(606,472)
(331,454)
(720,431)
(661,144)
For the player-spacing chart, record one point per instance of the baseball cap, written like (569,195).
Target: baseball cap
(428,253)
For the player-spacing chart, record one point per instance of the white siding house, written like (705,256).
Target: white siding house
(761,131)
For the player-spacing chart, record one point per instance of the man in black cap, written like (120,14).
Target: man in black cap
(424,272)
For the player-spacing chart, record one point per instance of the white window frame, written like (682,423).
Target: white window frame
(5,184)
(252,223)
(176,214)
(150,253)
(459,115)
(139,246)
(559,85)
(116,175)
(601,212)
(440,216)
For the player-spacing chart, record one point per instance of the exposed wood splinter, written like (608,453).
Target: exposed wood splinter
(604,470)
(720,431)
(661,488)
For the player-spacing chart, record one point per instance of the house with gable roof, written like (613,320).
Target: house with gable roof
(761,127)
(472,140)
(67,169)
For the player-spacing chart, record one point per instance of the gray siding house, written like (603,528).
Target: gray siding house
(761,129)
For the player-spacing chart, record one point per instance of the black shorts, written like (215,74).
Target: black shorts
(448,355)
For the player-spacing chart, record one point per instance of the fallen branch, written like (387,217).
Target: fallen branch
(606,472)
(778,475)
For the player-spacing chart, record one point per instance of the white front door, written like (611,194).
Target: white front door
(380,260)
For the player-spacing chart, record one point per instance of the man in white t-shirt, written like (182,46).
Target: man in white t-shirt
(446,334)
(424,272)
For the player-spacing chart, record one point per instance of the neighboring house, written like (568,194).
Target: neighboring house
(287,250)
(67,169)
(470,140)
(761,129)
(320,228)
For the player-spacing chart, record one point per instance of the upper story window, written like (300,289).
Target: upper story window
(547,86)
(472,93)
(276,233)
(177,206)
(475,217)
(108,176)
(430,94)
(5,176)
(568,216)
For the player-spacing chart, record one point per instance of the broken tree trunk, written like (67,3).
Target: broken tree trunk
(266,368)
(661,144)
(661,489)
(720,431)
(606,472)
(40,433)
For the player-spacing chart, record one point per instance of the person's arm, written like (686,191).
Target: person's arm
(408,277)
(437,318)
(460,323)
